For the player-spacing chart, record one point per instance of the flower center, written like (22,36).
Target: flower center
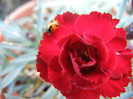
(83,58)
(81,54)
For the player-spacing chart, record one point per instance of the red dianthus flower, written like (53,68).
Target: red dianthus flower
(85,57)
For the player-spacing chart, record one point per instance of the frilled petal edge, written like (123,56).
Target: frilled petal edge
(42,68)
(98,24)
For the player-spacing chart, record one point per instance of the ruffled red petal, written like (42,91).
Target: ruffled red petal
(117,43)
(121,33)
(72,37)
(84,84)
(126,52)
(78,93)
(98,24)
(110,65)
(67,19)
(113,87)
(42,68)
(47,46)
(65,60)
(123,65)
(60,81)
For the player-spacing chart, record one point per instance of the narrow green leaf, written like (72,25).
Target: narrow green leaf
(17,47)
(11,75)
(8,68)
(10,53)
(12,35)
(10,88)
(13,24)
(11,32)
(121,9)
(25,58)
(8,27)
(2,57)
(50,93)
(40,19)
(20,87)
(12,46)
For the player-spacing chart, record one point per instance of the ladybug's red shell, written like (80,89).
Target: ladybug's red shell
(52,26)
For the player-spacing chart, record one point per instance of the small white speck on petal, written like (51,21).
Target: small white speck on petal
(117,53)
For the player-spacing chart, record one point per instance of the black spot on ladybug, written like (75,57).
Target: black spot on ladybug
(50,27)
(48,30)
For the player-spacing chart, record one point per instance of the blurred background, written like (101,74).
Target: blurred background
(21,28)
(7,6)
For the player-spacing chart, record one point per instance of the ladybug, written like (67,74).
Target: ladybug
(52,26)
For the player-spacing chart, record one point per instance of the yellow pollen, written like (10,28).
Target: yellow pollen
(85,53)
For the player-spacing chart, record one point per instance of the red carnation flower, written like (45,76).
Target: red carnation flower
(85,57)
